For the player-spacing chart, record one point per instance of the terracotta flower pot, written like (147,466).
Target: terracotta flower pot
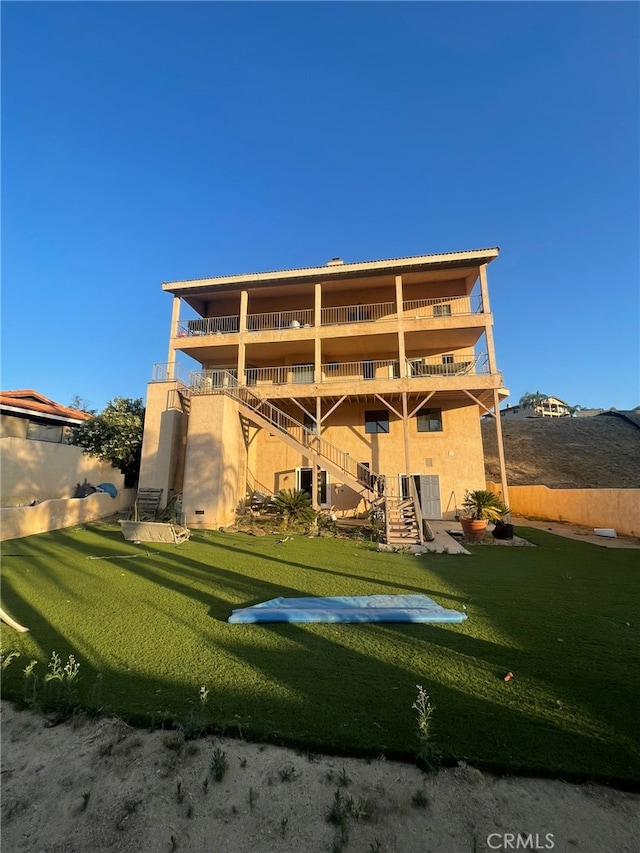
(474,529)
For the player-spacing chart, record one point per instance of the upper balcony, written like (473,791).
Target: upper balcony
(297,322)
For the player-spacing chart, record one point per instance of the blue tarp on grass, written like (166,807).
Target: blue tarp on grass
(355,608)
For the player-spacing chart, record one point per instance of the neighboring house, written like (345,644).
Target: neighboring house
(545,407)
(347,380)
(28,414)
(38,463)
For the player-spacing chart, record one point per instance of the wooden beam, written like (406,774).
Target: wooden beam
(332,409)
(422,402)
(388,405)
(482,405)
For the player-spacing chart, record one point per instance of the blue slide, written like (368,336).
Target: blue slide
(356,608)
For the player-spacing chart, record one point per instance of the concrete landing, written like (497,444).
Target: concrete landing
(441,544)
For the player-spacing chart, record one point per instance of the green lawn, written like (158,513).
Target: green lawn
(563,617)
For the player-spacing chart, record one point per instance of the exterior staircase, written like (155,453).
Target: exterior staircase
(403,525)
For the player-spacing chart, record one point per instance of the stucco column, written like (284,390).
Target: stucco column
(173,333)
(241,362)
(503,471)
(488,329)
(402,358)
(242,328)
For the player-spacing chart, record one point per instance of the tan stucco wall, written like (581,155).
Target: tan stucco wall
(40,470)
(455,454)
(163,441)
(215,462)
(16,522)
(616,508)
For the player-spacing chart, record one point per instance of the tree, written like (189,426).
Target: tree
(115,436)
(82,405)
(528,401)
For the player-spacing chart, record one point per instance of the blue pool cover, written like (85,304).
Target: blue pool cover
(356,608)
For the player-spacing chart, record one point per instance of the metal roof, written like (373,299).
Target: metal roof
(337,270)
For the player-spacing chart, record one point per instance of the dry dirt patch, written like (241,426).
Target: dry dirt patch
(99,785)
(601,452)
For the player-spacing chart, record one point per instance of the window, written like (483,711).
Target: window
(44,432)
(429,420)
(377,421)
(443,310)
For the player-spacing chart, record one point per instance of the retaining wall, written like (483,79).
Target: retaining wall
(19,521)
(617,508)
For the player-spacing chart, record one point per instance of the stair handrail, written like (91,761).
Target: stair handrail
(418,509)
(285,423)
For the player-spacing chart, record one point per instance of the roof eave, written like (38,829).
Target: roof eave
(468,258)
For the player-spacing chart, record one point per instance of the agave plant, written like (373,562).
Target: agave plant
(483,505)
(295,506)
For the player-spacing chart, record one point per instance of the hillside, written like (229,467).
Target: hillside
(601,452)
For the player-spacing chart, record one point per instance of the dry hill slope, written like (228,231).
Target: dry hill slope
(602,452)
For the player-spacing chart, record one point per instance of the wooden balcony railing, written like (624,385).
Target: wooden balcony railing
(302,319)
(342,314)
(441,306)
(209,326)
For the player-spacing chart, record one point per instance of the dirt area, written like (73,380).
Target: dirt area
(601,452)
(87,786)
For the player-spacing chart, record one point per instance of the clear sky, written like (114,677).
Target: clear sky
(155,141)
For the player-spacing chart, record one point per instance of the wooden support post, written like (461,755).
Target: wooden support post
(402,358)
(317,322)
(405,427)
(503,470)
(244,304)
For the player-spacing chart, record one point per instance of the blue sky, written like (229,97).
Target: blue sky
(148,142)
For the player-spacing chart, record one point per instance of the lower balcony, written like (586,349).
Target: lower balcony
(386,371)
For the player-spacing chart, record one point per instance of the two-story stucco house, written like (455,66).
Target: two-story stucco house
(348,380)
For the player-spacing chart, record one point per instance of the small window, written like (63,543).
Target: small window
(376,421)
(429,420)
(443,310)
(448,358)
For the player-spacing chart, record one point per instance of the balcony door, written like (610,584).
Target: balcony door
(428,489)
(304,481)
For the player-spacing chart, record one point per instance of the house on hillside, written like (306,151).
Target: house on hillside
(38,463)
(357,382)
(544,407)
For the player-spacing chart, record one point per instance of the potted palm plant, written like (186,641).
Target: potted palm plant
(478,508)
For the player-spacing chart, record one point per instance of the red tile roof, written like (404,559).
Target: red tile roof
(39,404)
